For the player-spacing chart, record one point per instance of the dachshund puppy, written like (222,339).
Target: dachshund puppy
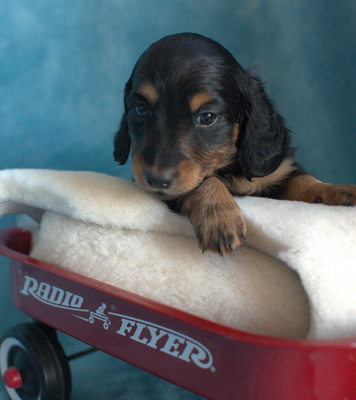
(201,130)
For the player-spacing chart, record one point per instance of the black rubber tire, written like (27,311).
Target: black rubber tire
(34,349)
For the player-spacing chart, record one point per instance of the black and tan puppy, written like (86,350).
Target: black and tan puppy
(202,129)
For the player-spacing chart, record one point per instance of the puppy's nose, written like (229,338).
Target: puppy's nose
(161,181)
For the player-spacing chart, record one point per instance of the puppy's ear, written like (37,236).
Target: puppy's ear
(122,141)
(264,139)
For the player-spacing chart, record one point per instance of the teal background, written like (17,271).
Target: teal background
(63,66)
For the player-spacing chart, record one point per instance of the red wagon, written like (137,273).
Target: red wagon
(212,360)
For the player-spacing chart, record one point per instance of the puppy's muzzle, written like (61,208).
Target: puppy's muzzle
(161,181)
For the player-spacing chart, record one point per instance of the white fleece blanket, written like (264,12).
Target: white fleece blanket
(109,229)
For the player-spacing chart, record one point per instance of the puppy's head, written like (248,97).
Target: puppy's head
(190,111)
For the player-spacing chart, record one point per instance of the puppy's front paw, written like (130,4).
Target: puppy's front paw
(217,219)
(219,228)
(309,189)
(334,195)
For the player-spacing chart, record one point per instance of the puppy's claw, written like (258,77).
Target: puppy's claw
(221,254)
(243,236)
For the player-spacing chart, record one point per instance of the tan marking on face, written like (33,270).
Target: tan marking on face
(199,99)
(138,170)
(213,159)
(190,175)
(243,186)
(149,92)
(235,132)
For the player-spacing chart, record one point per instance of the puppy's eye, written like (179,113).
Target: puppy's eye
(140,110)
(207,118)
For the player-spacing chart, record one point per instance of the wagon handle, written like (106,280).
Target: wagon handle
(13,207)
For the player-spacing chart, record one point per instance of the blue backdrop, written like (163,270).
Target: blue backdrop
(63,66)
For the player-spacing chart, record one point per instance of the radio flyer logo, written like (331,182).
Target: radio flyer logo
(156,337)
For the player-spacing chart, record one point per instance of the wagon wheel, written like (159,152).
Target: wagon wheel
(33,365)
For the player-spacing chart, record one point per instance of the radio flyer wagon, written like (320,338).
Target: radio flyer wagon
(212,360)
